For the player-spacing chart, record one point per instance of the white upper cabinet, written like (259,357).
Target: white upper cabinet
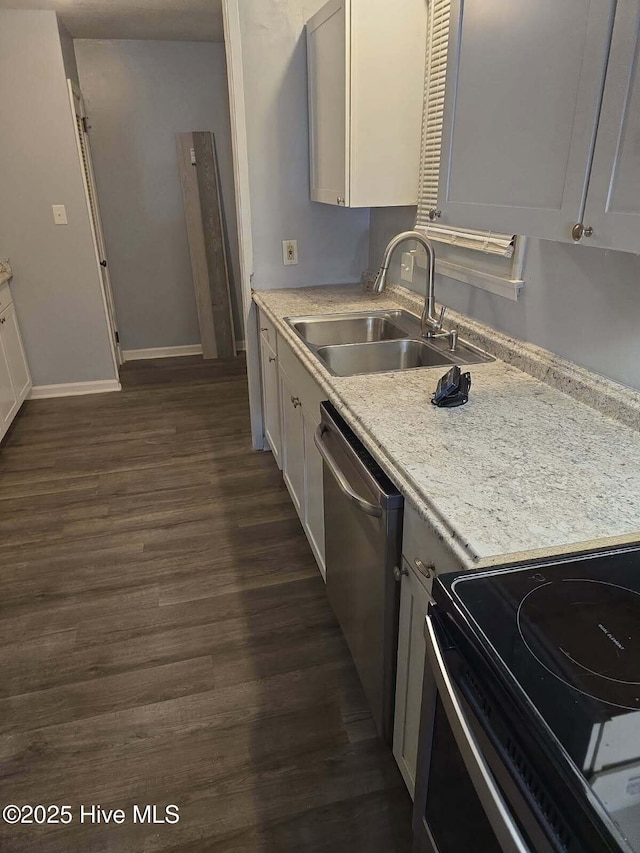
(366,71)
(613,199)
(523,95)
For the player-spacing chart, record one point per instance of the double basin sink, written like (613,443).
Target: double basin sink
(377,342)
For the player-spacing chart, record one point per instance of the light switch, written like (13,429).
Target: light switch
(406,270)
(59,214)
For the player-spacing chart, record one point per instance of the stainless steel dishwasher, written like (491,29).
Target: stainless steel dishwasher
(363,540)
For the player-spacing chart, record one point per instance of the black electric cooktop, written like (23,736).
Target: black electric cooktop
(569,635)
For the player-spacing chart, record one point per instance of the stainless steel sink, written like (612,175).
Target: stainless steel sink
(376,342)
(349,329)
(353,359)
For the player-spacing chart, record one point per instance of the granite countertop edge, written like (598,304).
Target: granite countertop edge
(600,393)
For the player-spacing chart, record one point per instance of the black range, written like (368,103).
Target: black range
(545,660)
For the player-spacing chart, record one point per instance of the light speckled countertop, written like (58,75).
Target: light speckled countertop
(524,469)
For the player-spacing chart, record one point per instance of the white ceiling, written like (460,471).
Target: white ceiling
(174,20)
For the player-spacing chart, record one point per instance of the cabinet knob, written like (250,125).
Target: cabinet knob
(424,569)
(264,330)
(296,402)
(579,231)
(3,320)
(434,213)
(272,358)
(399,572)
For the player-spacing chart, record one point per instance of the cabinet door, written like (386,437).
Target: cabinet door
(414,601)
(15,355)
(328,60)
(313,493)
(523,93)
(613,200)
(271,398)
(292,443)
(8,399)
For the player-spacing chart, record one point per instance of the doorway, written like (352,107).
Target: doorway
(132,99)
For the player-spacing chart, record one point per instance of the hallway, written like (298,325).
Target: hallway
(165,636)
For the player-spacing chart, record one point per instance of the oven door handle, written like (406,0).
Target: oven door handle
(341,480)
(495,808)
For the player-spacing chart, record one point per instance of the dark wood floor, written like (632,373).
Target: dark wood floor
(165,636)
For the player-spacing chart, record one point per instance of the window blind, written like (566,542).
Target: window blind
(432,119)
(434,82)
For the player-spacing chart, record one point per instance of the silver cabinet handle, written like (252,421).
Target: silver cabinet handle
(499,816)
(264,330)
(580,230)
(341,480)
(424,569)
(399,573)
(272,358)
(296,401)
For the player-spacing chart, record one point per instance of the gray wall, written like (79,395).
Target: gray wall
(68,53)
(139,95)
(579,302)
(56,284)
(332,241)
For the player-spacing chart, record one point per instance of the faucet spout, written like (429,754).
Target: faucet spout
(429,322)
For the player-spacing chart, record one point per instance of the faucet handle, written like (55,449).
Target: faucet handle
(443,311)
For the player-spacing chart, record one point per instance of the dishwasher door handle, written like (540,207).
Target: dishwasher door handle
(363,504)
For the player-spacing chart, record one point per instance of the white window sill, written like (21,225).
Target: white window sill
(508,287)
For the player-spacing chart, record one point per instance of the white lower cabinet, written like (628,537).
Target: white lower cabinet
(414,602)
(271,397)
(291,410)
(15,379)
(8,399)
(424,556)
(293,443)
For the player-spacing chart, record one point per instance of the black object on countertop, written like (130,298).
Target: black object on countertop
(453,389)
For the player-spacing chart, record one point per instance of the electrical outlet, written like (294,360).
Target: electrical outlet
(289,252)
(406,269)
(59,214)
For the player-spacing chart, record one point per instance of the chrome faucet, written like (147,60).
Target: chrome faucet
(429,324)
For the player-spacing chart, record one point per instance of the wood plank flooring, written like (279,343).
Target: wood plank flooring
(165,635)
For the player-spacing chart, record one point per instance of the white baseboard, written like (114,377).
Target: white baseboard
(169,352)
(161,352)
(73,389)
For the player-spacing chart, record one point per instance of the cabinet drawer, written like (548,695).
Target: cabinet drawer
(5,297)
(423,549)
(268,331)
(306,388)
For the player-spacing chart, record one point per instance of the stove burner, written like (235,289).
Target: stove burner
(587,634)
